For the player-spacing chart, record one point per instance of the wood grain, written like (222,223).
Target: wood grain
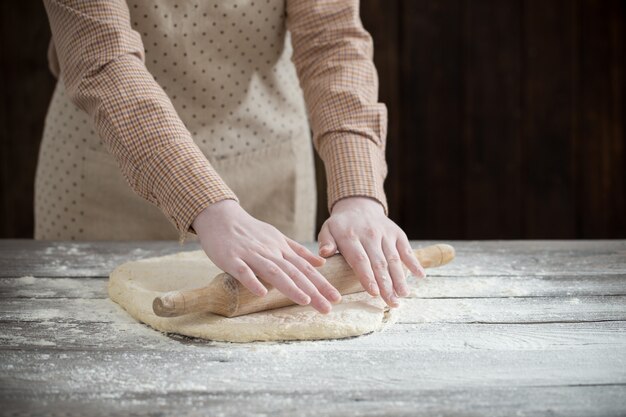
(531,328)
(129,335)
(465,310)
(431,287)
(548,99)
(26,86)
(600,153)
(506,119)
(566,400)
(432,99)
(489,258)
(493,145)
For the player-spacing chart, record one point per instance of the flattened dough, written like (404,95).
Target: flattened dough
(134,285)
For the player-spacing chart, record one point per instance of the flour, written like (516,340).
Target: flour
(17,340)
(471,286)
(28,280)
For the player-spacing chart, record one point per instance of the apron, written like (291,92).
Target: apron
(263,152)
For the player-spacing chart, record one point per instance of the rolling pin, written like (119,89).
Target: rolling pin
(226,296)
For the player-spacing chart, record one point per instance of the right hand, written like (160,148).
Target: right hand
(245,247)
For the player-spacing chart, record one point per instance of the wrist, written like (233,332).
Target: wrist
(359,202)
(217,210)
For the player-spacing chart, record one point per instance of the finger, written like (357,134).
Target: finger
(327,244)
(398,277)
(318,301)
(242,273)
(271,273)
(321,283)
(373,248)
(356,257)
(408,257)
(304,252)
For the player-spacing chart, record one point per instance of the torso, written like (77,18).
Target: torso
(226,67)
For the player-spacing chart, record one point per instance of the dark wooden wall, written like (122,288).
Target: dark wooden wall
(25,90)
(506,117)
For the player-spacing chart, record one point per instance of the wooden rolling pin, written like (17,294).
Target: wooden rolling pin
(228,297)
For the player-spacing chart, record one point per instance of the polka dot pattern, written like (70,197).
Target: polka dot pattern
(225,65)
(60,178)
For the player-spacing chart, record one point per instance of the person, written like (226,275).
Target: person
(203,112)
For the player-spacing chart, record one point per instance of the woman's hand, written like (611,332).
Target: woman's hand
(246,248)
(372,244)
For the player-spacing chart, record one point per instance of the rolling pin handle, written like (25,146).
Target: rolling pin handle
(435,255)
(166,306)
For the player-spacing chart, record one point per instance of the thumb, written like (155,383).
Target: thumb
(327,244)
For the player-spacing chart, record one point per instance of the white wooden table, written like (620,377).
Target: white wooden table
(509,328)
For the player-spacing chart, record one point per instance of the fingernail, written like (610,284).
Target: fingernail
(305,300)
(373,289)
(336,296)
(326,248)
(326,308)
(403,292)
(394,300)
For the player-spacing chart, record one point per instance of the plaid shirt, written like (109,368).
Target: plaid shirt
(101,61)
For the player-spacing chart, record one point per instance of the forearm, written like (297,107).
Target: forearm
(155,150)
(333,58)
(102,67)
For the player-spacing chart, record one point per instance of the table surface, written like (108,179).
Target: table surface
(508,328)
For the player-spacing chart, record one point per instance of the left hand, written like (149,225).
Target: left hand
(372,244)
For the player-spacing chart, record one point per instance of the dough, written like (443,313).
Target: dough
(134,285)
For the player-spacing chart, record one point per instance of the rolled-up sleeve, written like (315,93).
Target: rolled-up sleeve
(101,62)
(333,56)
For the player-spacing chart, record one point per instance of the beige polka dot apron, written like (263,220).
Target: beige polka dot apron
(226,67)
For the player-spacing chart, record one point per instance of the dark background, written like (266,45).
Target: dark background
(506,117)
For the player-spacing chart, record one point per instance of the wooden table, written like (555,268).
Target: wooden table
(509,328)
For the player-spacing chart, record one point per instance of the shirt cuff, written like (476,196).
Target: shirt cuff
(181,182)
(355,166)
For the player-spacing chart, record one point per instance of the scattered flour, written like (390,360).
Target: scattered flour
(19,340)
(27,280)
(471,286)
